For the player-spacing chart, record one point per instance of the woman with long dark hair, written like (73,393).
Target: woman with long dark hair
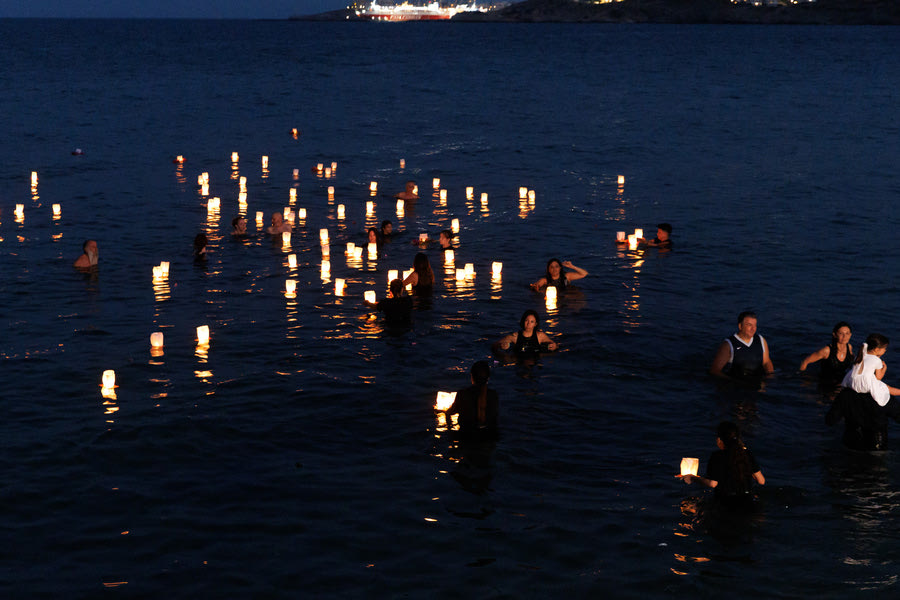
(477,405)
(837,355)
(422,277)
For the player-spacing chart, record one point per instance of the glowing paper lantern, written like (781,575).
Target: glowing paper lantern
(638,233)
(179,159)
(292,261)
(690,466)
(327,172)
(443,194)
(296,173)
(402,163)
(326,267)
(34,178)
(330,191)
(319,167)
(400,206)
(423,237)
(373,187)
(286,238)
(57,210)
(301,213)
(265,162)
(415,190)
(444,400)
(290,288)
(212,205)
(334,166)
(234,157)
(326,251)
(338,287)
(157,273)
(370,296)
(293,194)
(242,200)
(243,183)
(448,255)
(156,339)
(340,211)
(484,197)
(460,274)
(205,178)
(350,248)
(286,211)
(204,189)
(294,132)
(470,270)
(109,378)
(203,335)
(632,242)
(523,192)
(373,250)
(496,268)
(454,225)
(259,218)
(470,191)
(436,183)
(357,253)
(164,267)
(551,293)
(323,236)
(20,210)
(621,180)
(531,196)
(392,275)
(370,207)
(621,236)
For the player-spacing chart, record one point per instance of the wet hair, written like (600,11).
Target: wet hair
(396,287)
(526,314)
(839,325)
(665,227)
(833,343)
(85,245)
(447,234)
(745,314)
(385,223)
(550,262)
(423,269)
(736,455)
(235,221)
(481,372)
(371,230)
(873,342)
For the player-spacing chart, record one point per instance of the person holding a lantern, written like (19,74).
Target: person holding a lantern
(556,277)
(398,308)
(745,355)
(663,239)
(731,470)
(422,277)
(477,405)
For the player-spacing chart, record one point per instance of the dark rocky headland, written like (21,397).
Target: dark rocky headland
(821,12)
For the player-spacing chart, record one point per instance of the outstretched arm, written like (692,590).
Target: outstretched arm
(503,344)
(820,354)
(575,273)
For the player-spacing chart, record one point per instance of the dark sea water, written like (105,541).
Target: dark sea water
(299,456)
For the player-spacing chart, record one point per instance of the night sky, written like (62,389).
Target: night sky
(165,9)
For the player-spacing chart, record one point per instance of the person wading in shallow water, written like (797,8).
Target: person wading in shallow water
(90,256)
(745,355)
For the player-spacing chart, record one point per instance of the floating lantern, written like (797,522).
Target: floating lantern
(338,287)
(259,218)
(370,207)
(436,182)
(326,267)
(638,233)
(293,194)
(460,274)
(454,225)
(551,293)
(523,192)
(531,196)
(242,199)
(323,236)
(350,248)
(373,251)
(333,166)
(423,237)
(326,251)
(415,190)
(301,213)
(243,182)
(621,180)
(294,132)
(392,275)
(156,339)
(234,157)
(443,194)
(20,210)
(319,167)
(470,191)
(327,172)
(402,163)
(203,335)
(57,210)
(632,242)
(157,273)
(484,197)
(34,178)
(292,261)
(690,466)
(331,191)
(290,288)
(205,178)
(373,187)
(470,270)
(496,268)
(444,400)
(370,296)
(179,159)
(265,162)
(291,217)
(109,379)
(213,204)
(448,255)
(340,211)
(400,206)
(357,253)
(621,236)
(286,211)
(204,189)
(286,238)
(164,266)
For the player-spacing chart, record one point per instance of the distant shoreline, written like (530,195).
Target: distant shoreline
(686,12)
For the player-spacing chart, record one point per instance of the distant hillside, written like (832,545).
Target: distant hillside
(822,12)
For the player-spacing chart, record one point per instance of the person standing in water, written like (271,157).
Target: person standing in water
(478,406)
(745,355)
(90,257)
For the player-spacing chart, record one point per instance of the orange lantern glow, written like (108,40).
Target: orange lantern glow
(470,192)
(234,157)
(265,162)
(690,466)
(373,186)
(259,218)
(203,335)
(444,400)
(470,270)
(496,268)
(326,267)
(632,242)
(323,236)
(290,288)
(621,180)
(370,208)
(436,183)
(292,261)
(443,194)
(402,163)
(293,194)
(484,197)
(454,225)
(621,236)
(339,287)
(460,274)
(109,379)
(156,339)
(370,296)
(523,192)
(57,210)
(551,293)
(351,247)
(392,275)
(638,233)
(34,178)
(340,211)
(331,191)
(448,255)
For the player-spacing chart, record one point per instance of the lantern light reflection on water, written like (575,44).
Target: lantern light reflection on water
(444,400)
(423,237)
(326,267)
(690,466)
(326,250)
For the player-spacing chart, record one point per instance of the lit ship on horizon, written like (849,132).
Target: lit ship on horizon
(411,12)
